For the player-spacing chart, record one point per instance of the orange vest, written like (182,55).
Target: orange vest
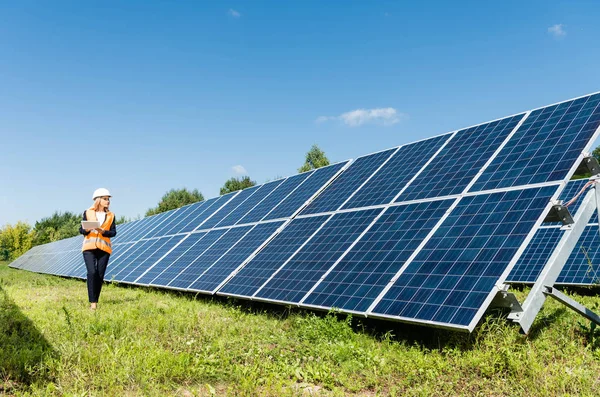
(94,239)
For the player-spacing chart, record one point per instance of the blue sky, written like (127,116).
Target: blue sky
(145,96)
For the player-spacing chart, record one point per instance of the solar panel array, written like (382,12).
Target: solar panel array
(421,233)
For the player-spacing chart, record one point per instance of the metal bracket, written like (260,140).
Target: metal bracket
(588,165)
(551,271)
(578,307)
(559,213)
(505,299)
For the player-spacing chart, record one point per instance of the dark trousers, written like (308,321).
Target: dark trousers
(96,262)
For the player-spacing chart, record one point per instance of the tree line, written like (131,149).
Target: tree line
(17,239)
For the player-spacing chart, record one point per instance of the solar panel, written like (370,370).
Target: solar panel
(238,199)
(357,173)
(545,146)
(173,221)
(364,271)
(221,269)
(273,256)
(181,258)
(198,217)
(455,273)
(583,263)
(242,209)
(460,160)
(281,193)
(204,261)
(383,187)
(315,182)
(135,268)
(303,270)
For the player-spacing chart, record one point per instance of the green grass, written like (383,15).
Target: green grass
(146,342)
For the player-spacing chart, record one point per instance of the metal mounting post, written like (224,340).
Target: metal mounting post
(534,301)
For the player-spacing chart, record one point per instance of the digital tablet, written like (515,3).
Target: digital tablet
(90,224)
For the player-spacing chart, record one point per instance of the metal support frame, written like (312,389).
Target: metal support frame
(544,285)
(578,307)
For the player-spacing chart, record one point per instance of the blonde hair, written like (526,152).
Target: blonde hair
(98,205)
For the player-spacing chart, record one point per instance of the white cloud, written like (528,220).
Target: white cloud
(239,170)
(358,117)
(557,30)
(234,13)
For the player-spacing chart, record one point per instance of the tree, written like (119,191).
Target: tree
(315,158)
(176,198)
(235,184)
(56,227)
(122,219)
(596,153)
(15,241)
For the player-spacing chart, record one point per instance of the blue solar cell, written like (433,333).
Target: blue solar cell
(124,233)
(204,261)
(395,174)
(282,191)
(235,257)
(74,259)
(298,197)
(582,266)
(123,260)
(182,257)
(229,207)
(358,279)
(532,261)
(242,209)
(269,259)
(297,277)
(153,254)
(168,259)
(455,272)
(193,211)
(173,221)
(545,147)
(460,160)
(340,190)
(196,218)
(145,226)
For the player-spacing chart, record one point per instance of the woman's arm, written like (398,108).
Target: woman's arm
(113,230)
(81,229)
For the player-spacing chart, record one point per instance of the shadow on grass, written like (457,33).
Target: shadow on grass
(23,349)
(543,321)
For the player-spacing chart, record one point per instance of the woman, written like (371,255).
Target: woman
(96,243)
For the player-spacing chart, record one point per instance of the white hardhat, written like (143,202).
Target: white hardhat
(100,193)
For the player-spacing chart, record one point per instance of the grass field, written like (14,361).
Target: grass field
(147,342)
